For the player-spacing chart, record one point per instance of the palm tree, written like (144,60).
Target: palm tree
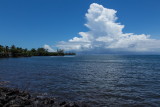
(60,52)
(14,51)
(34,52)
(1,51)
(1,48)
(6,51)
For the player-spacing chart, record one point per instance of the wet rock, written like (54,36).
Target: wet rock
(16,98)
(16,105)
(48,101)
(1,104)
(62,103)
(72,105)
(3,100)
(4,82)
(13,92)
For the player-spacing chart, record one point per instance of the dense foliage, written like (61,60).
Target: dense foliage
(13,51)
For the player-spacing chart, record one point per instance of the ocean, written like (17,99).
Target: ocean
(97,80)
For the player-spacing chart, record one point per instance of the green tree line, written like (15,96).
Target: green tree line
(13,51)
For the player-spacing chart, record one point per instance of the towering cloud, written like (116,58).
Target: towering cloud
(106,35)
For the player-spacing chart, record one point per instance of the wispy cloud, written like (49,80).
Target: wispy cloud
(105,35)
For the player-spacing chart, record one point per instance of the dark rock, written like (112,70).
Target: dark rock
(25,95)
(16,98)
(11,97)
(1,105)
(72,105)
(13,92)
(16,105)
(3,100)
(48,101)
(62,103)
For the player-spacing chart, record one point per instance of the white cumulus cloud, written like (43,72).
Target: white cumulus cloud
(106,35)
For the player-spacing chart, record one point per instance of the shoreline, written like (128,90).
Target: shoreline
(34,56)
(10,97)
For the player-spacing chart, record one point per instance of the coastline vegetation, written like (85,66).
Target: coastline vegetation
(13,51)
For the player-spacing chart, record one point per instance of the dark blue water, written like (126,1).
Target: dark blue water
(98,80)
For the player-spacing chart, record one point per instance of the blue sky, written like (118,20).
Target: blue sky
(33,23)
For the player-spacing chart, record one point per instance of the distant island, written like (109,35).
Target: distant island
(13,51)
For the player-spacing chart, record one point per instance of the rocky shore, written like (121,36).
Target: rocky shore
(15,98)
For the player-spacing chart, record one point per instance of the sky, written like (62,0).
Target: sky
(101,26)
